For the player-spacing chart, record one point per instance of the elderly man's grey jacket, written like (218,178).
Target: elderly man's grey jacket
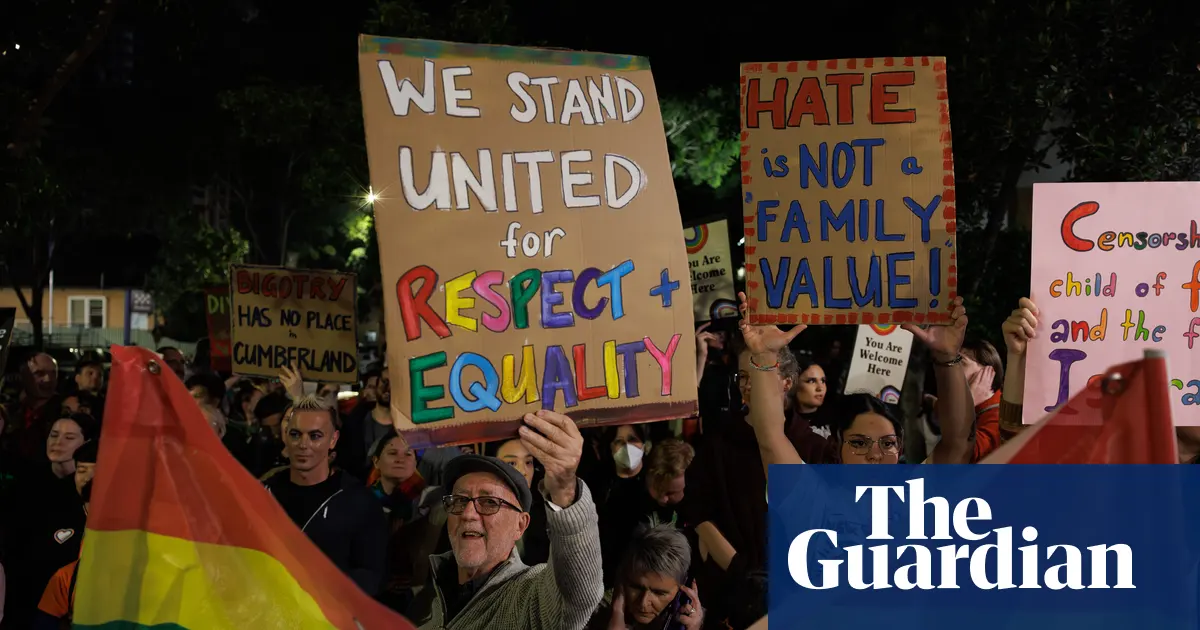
(559,595)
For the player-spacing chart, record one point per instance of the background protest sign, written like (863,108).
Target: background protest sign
(1114,270)
(299,318)
(880,362)
(216,314)
(711,268)
(527,218)
(848,186)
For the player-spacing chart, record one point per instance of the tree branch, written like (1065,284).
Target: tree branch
(283,237)
(28,128)
(246,214)
(25,306)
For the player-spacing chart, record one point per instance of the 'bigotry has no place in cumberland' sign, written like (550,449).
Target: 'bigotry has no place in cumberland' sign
(296,318)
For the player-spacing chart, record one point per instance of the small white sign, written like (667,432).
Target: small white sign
(711,268)
(880,362)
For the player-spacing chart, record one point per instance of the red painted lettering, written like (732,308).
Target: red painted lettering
(286,287)
(881,97)
(335,285)
(301,280)
(268,287)
(585,392)
(809,99)
(755,106)
(1085,209)
(845,95)
(245,282)
(414,307)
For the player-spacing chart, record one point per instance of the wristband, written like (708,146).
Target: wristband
(764,368)
(951,363)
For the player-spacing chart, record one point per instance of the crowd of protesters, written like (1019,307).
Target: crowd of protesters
(647,526)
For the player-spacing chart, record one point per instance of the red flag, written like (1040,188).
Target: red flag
(1122,418)
(180,535)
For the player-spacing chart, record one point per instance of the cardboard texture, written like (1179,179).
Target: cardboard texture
(543,267)
(1114,273)
(711,267)
(216,315)
(848,191)
(304,319)
(880,362)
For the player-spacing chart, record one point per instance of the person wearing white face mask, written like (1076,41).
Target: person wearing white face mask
(616,491)
(629,446)
(628,459)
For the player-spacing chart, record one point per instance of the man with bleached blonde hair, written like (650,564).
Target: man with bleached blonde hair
(337,512)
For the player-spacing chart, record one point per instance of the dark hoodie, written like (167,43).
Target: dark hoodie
(726,486)
(46,527)
(343,519)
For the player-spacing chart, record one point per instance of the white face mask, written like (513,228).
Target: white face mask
(629,457)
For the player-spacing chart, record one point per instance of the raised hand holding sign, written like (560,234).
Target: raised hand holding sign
(555,441)
(944,342)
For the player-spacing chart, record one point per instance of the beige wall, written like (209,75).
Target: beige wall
(114,304)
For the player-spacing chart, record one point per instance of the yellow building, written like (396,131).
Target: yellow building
(86,316)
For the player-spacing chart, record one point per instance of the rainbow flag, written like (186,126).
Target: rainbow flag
(1122,418)
(181,536)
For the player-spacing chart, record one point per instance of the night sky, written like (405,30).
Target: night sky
(689,46)
(184,57)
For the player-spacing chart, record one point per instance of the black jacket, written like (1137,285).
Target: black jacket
(352,452)
(46,522)
(349,527)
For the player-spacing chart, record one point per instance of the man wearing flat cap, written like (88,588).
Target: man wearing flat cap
(482,583)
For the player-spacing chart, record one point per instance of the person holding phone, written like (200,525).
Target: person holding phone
(653,591)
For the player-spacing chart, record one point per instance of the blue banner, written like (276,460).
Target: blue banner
(984,547)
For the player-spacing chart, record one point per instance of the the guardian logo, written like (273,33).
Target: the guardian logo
(912,565)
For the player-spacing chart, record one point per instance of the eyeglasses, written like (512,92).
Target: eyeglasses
(861,445)
(486,506)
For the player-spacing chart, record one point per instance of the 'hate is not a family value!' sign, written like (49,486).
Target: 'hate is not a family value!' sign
(848,185)
(529,234)
(291,317)
(1115,270)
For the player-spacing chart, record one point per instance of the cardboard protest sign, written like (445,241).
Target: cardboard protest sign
(1114,271)
(299,318)
(528,222)
(711,266)
(880,362)
(216,315)
(848,191)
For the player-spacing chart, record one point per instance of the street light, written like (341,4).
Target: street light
(371,196)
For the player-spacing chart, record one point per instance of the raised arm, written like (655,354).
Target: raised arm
(767,413)
(955,403)
(566,594)
(1018,329)
(704,340)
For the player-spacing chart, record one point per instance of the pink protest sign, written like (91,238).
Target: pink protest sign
(1114,271)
